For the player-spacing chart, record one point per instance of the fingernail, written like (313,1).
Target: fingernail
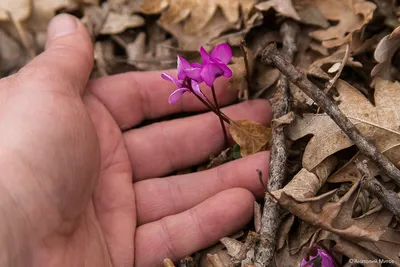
(60,25)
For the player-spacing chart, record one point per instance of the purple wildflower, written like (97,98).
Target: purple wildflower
(183,87)
(185,69)
(326,259)
(216,63)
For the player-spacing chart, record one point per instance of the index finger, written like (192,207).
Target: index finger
(135,96)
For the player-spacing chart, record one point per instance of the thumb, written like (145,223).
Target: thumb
(67,62)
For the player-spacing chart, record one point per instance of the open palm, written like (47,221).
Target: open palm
(85,190)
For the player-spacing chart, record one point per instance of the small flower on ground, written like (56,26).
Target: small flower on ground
(216,63)
(183,87)
(326,259)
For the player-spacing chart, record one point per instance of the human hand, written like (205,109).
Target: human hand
(68,158)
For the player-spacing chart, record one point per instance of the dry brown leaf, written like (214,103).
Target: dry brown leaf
(352,15)
(252,137)
(306,184)
(236,37)
(215,260)
(193,41)
(238,81)
(168,263)
(283,230)
(201,11)
(19,9)
(384,53)
(283,7)
(316,68)
(284,257)
(12,57)
(117,22)
(310,14)
(336,217)
(379,123)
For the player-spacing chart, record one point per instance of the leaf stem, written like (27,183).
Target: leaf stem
(220,119)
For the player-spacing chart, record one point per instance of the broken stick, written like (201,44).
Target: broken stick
(272,56)
(388,198)
(271,216)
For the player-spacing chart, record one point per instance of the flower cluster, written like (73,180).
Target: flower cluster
(190,76)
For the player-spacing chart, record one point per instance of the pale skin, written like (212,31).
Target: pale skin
(78,183)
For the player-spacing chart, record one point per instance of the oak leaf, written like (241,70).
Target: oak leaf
(252,137)
(200,11)
(283,7)
(379,123)
(384,53)
(351,15)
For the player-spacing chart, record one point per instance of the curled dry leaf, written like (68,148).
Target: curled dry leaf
(201,11)
(384,53)
(117,22)
(316,68)
(283,7)
(232,245)
(351,15)
(336,217)
(252,137)
(284,120)
(379,123)
(306,184)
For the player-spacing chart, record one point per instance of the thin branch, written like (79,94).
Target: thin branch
(271,55)
(333,81)
(388,198)
(271,218)
(247,66)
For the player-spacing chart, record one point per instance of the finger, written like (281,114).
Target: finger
(136,96)
(178,193)
(161,148)
(180,235)
(66,64)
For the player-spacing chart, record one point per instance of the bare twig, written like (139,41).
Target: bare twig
(389,199)
(333,81)
(277,167)
(271,55)
(248,72)
(22,35)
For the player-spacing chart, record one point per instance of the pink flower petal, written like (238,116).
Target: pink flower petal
(210,72)
(204,55)
(176,95)
(195,74)
(222,53)
(326,259)
(196,89)
(170,78)
(183,64)
(197,65)
(227,72)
